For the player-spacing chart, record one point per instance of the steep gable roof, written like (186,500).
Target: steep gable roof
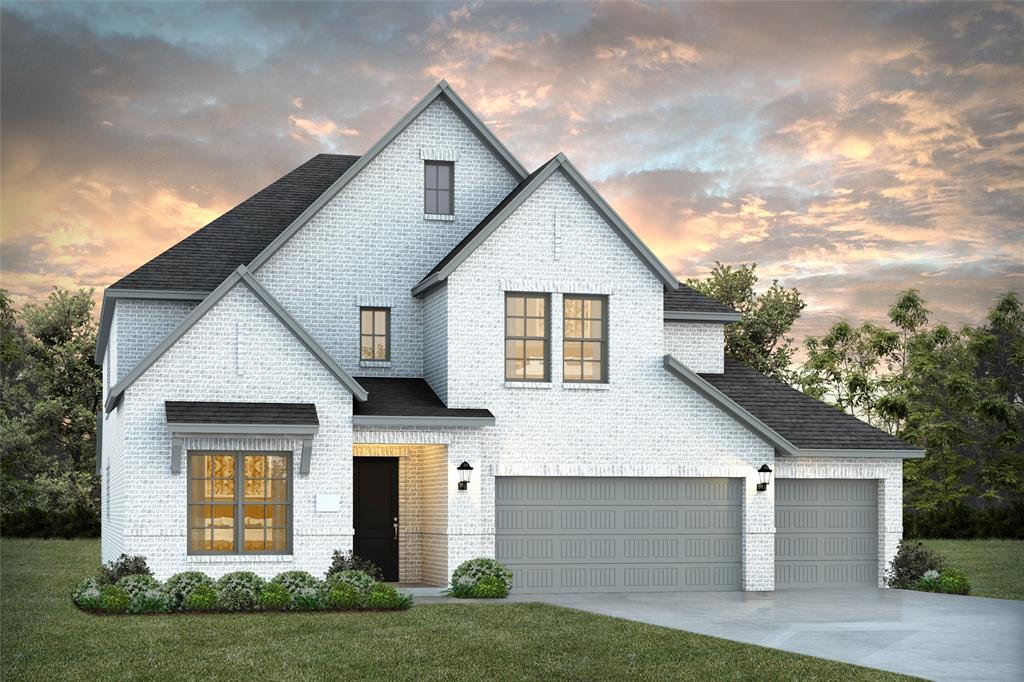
(515,199)
(686,304)
(243,276)
(793,422)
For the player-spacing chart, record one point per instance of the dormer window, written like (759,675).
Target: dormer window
(438,188)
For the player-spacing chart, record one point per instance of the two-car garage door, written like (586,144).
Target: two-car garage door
(675,534)
(619,534)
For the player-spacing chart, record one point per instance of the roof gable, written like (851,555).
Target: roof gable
(515,199)
(239,276)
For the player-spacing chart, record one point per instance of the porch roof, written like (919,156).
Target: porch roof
(410,402)
(189,412)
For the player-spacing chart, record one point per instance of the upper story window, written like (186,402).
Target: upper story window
(527,337)
(374,333)
(585,339)
(439,187)
(239,503)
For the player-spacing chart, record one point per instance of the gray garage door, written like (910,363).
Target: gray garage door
(826,533)
(619,534)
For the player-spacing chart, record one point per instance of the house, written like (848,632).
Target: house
(428,353)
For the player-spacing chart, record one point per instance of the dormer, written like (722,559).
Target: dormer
(695,329)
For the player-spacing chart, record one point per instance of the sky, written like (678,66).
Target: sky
(850,150)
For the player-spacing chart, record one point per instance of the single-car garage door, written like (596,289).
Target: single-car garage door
(826,533)
(619,534)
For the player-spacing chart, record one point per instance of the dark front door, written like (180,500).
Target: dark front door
(376,512)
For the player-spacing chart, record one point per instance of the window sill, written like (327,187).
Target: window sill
(236,558)
(439,216)
(527,384)
(374,363)
(584,386)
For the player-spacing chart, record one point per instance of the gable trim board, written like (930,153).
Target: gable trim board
(682,316)
(767,433)
(439,90)
(243,275)
(424,421)
(486,228)
(108,302)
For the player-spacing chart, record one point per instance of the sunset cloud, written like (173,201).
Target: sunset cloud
(851,150)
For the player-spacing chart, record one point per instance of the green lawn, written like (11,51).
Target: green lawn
(994,567)
(43,637)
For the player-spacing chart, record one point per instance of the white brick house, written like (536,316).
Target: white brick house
(306,373)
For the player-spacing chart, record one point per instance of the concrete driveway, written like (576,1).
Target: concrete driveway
(936,636)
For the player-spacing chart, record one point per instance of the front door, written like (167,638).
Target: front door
(376,512)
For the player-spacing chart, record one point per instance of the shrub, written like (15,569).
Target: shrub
(347,561)
(954,581)
(360,580)
(929,582)
(87,595)
(909,565)
(469,573)
(307,599)
(150,601)
(121,567)
(490,587)
(293,581)
(202,597)
(344,596)
(114,599)
(384,597)
(179,585)
(239,591)
(274,597)
(958,520)
(135,585)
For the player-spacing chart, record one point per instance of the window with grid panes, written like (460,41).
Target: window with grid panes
(585,339)
(374,333)
(526,337)
(439,187)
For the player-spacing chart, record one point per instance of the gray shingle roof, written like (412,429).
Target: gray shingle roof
(206,257)
(390,397)
(802,420)
(184,412)
(687,299)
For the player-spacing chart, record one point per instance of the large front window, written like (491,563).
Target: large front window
(526,337)
(239,503)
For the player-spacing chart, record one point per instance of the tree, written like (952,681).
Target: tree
(759,339)
(51,391)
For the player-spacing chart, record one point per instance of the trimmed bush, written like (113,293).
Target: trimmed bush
(384,597)
(929,582)
(180,585)
(87,595)
(909,565)
(360,580)
(274,597)
(135,585)
(202,597)
(114,599)
(954,581)
(344,596)
(307,599)
(293,581)
(239,591)
(490,587)
(468,575)
(347,561)
(121,567)
(150,601)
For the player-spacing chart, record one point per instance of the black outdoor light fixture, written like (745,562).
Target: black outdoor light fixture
(464,472)
(765,473)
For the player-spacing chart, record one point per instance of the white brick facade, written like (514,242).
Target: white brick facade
(369,246)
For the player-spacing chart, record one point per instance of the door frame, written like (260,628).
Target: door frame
(398,505)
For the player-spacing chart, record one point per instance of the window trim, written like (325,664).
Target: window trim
(605,333)
(387,333)
(547,335)
(450,190)
(238,504)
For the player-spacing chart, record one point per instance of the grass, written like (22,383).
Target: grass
(994,567)
(43,637)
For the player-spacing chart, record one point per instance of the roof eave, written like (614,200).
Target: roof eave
(697,316)
(859,453)
(420,421)
(179,428)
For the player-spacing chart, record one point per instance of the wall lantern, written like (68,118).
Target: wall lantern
(765,474)
(464,473)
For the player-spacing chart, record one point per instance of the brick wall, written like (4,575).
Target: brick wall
(141,324)
(698,345)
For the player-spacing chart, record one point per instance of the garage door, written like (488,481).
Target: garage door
(619,534)
(826,533)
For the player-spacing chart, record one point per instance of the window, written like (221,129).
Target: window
(438,187)
(526,337)
(374,333)
(585,339)
(239,503)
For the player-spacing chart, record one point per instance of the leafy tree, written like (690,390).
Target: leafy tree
(51,390)
(760,339)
